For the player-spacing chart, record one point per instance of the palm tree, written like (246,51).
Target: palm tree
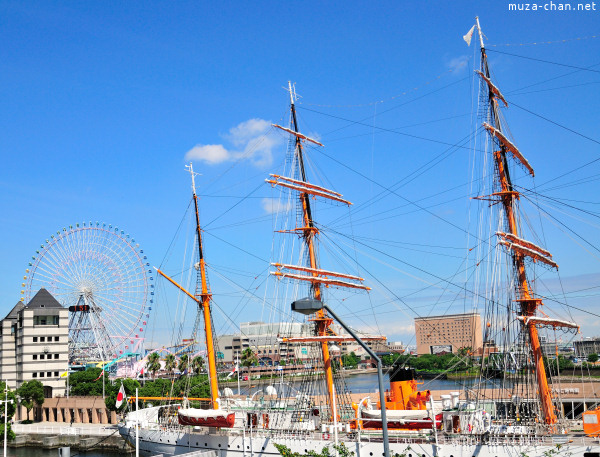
(249,359)
(170,364)
(197,364)
(153,364)
(183,363)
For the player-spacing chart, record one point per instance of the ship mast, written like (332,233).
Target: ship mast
(202,296)
(315,276)
(519,248)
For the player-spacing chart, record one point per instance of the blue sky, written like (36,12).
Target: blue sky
(104,103)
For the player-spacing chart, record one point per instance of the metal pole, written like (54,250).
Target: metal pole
(237,372)
(384,425)
(137,423)
(5,413)
(335,425)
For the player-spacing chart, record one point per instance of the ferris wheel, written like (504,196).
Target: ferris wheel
(102,276)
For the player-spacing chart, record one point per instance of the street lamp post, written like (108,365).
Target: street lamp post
(310,306)
(6,402)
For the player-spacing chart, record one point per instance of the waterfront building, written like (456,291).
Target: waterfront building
(34,344)
(587,346)
(230,347)
(448,334)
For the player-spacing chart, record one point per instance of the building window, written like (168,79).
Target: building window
(49,374)
(34,356)
(56,356)
(56,374)
(34,375)
(42,374)
(35,339)
(56,338)
(41,356)
(42,339)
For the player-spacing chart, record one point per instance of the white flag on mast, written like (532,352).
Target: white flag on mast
(120,397)
(468,36)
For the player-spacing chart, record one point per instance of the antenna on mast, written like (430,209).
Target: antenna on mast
(193,175)
(480,32)
(291,88)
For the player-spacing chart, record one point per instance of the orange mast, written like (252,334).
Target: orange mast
(528,305)
(315,276)
(202,296)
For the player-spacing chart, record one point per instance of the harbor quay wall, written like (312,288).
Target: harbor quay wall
(84,437)
(77,410)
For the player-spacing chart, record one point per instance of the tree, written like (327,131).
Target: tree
(10,410)
(88,382)
(249,359)
(32,394)
(350,360)
(113,389)
(153,364)
(170,364)
(197,364)
(593,358)
(183,363)
(464,351)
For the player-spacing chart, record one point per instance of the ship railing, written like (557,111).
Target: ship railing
(81,429)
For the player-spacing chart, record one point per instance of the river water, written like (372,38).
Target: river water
(363,383)
(367,383)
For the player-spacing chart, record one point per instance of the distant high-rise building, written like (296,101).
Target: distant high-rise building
(444,334)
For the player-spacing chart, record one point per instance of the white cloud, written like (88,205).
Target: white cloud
(251,140)
(210,153)
(458,64)
(248,130)
(273,205)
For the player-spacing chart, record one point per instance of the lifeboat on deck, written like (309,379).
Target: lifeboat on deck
(206,417)
(406,406)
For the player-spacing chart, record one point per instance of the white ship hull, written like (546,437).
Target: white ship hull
(236,443)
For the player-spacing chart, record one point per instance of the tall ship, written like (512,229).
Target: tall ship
(517,415)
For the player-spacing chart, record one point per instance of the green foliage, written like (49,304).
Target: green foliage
(562,362)
(31,393)
(341,451)
(9,433)
(465,351)
(389,359)
(112,389)
(88,382)
(350,360)
(592,358)
(170,363)
(153,364)
(10,410)
(183,363)
(249,358)
(445,362)
(197,364)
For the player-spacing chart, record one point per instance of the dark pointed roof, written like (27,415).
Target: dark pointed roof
(43,299)
(13,313)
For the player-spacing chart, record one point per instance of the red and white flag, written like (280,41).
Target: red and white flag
(101,373)
(468,36)
(120,397)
